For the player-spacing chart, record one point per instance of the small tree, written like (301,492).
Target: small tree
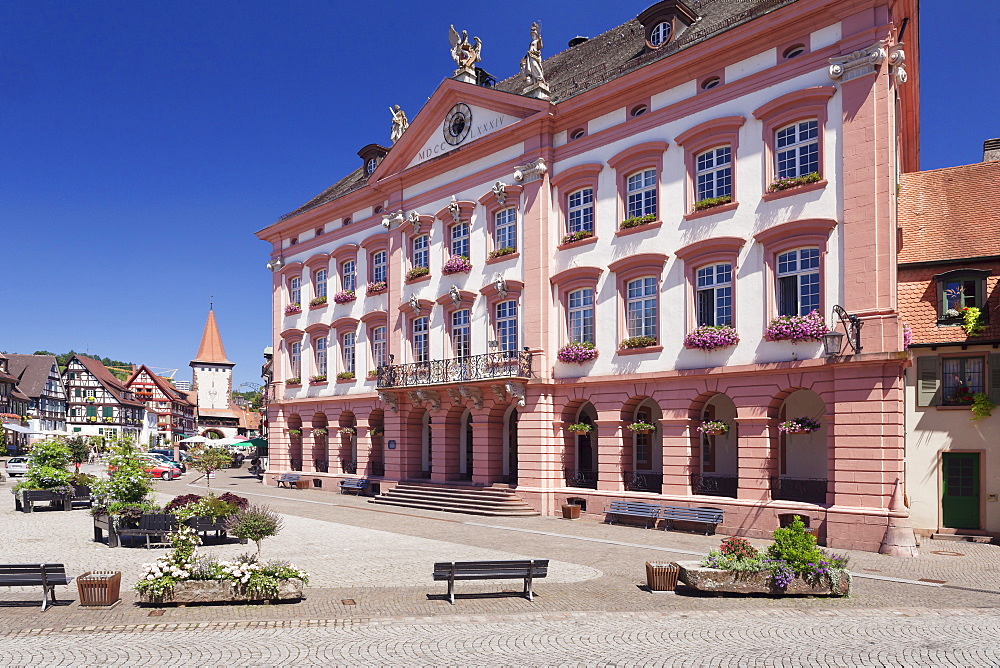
(128,481)
(48,466)
(255,523)
(210,460)
(78,450)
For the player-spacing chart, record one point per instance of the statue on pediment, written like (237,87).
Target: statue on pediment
(399,123)
(531,64)
(464,54)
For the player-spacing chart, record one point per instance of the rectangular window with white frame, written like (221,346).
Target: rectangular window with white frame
(506,325)
(379,271)
(295,360)
(319,283)
(580,315)
(421,340)
(505,229)
(459,233)
(320,354)
(461,333)
(421,251)
(641,307)
(798,281)
(796,149)
(580,211)
(641,194)
(715,295)
(347,348)
(295,290)
(714,173)
(379,348)
(348,276)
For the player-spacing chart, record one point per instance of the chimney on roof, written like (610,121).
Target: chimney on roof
(991,150)
(578,40)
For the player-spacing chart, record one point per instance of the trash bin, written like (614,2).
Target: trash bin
(661,576)
(99,588)
(571,511)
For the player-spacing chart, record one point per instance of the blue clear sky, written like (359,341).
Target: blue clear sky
(143,143)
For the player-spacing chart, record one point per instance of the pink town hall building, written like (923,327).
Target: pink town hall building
(563,281)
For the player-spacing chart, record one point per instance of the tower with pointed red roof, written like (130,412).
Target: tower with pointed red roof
(212,381)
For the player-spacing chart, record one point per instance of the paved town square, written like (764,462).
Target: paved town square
(371,599)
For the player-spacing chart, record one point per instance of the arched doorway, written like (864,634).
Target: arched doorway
(803,456)
(510,447)
(212,434)
(320,448)
(295,442)
(348,443)
(466,447)
(645,471)
(376,434)
(584,473)
(718,461)
(426,447)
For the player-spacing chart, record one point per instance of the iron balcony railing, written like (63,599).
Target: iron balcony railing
(377,468)
(348,466)
(578,478)
(500,364)
(806,490)
(710,484)
(296,464)
(321,465)
(642,482)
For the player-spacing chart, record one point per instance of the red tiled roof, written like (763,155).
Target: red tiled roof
(950,214)
(211,348)
(104,376)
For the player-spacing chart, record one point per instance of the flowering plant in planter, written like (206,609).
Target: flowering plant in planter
(348,431)
(711,337)
(638,342)
(577,353)
(90,399)
(373,373)
(982,407)
(320,431)
(792,182)
(577,236)
(92,418)
(376,431)
(417,272)
(317,301)
(641,427)
(292,309)
(456,264)
(713,427)
(316,380)
(972,320)
(796,328)
(579,428)
(293,381)
(799,425)
(294,432)
(710,202)
(636,221)
(376,288)
(345,297)
(345,375)
(500,252)
(907,336)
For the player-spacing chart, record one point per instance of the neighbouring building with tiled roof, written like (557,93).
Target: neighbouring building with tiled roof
(14,404)
(175,413)
(949,269)
(552,282)
(99,404)
(39,379)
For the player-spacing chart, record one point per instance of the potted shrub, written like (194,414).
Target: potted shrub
(641,427)
(712,202)
(376,288)
(796,328)
(577,353)
(799,425)
(456,264)
(713,428)
(638,342)
(636,221)
(345,297)
(292,309)
(792,182)
(573,237)
(417,272)
(712,337)
(579,428)
(500,252)
(317,301)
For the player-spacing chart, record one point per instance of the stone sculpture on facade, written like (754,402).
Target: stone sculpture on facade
(399,123)
(464,54)
(531,67)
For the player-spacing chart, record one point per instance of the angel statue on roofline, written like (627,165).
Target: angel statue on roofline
(464,54)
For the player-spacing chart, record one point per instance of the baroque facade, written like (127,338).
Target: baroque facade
(505,295)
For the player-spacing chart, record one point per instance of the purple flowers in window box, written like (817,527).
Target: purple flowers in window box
(907,336)
(796,328)
(793,182)
(318,379)
(457,264)
(292,309)
(710,337)
(345,297)
(376,288)
(577,353)
(293,382)
(577,236)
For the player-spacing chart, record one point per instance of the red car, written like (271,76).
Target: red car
(158,471)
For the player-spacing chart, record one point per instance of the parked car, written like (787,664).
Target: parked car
(162,456)
(16,466)
(158,470)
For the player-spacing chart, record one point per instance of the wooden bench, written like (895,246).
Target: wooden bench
(25,500)
(358,485)
(150,525)
(632,509)
(527,570)
(33,575)
(289,480)
(711,517)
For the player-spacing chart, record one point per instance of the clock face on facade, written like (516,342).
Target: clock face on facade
(457,124)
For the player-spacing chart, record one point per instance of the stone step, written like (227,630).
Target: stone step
(457,499)
(465,510)
(962,537)
(436,494)
(485,491)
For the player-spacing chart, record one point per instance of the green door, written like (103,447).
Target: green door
(960,495)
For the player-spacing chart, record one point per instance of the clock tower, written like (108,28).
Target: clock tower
(212,373)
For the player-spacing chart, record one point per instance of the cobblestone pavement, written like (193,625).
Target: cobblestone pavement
(371,598)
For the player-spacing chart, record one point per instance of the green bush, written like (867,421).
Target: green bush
(255,523)
(128,481)
(796,547)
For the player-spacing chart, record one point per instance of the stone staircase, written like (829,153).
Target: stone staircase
(468,500)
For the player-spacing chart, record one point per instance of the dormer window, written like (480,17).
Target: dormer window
(958,290)
(370,166)
(660,33)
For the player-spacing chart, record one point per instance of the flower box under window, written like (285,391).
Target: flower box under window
(345,297)
(317,301)
(638,342)
(292,382)
(573,237)
(292,309)
(456,264)
(500,252)
(376,288)
(417,272)
(793,182)
(712,202)
(636,221)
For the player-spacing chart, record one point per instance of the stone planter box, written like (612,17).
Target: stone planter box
(733,582)
(221,591)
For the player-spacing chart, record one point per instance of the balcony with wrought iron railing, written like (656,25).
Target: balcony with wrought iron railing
(501,364)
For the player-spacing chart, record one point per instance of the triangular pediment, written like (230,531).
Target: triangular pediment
(458,114)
